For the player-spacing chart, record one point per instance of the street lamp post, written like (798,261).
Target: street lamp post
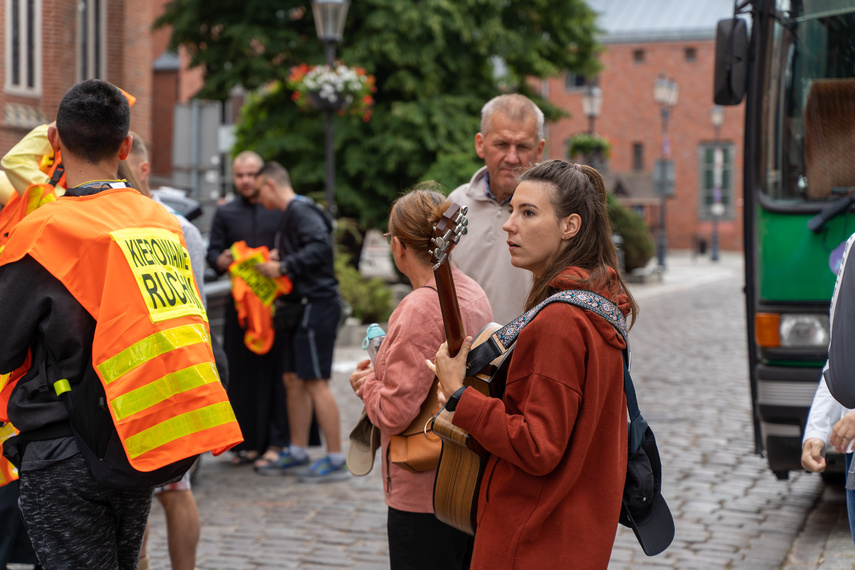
(330,16)
(717,208)
(592,102)
(665,93)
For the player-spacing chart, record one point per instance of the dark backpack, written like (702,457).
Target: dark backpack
(92,426)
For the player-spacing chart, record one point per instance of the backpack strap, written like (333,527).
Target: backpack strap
(501,341)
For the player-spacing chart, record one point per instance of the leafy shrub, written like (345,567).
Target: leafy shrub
(370,299)
(637,244)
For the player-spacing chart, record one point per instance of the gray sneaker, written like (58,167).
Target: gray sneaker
(284,464)
(323,471)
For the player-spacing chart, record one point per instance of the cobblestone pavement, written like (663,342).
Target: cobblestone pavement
(689,366)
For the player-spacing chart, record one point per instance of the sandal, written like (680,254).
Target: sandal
(270,457)
(244,457)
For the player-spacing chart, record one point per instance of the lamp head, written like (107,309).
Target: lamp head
(330,16)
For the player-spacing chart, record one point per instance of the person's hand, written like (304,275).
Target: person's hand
(274,255)
(812,458)
(357,379)
(450,371)
(224,260)
(269,269)
(843,432)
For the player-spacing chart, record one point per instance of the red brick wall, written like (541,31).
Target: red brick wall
(630,114)
(128,60)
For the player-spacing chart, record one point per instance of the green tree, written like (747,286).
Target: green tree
(436,62)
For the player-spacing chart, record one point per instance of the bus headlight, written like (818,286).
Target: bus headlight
(773,330)
(804,331)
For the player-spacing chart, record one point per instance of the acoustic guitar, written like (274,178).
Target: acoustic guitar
(462,460)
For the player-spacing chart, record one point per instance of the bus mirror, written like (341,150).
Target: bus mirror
(731,61)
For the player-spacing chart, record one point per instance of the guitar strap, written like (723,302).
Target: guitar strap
(502,341)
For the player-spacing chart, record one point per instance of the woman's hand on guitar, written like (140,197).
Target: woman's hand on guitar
(357,379)
(450,371)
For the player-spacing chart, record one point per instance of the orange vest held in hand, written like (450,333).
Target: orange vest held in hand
(254,294)
(123,257)
(35,196)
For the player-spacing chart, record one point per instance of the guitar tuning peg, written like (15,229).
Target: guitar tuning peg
(465,230)
(464,209)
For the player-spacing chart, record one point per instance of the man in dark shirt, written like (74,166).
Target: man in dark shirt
(255,390)
(305,256)
(72,519)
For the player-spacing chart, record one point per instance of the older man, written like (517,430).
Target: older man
(511,140)
(255,388)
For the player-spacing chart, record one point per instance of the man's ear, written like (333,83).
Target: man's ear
(145,170)
(125,149)
(53,137)
(479,145)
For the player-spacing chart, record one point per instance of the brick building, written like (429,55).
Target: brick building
(51,44)
(642,40)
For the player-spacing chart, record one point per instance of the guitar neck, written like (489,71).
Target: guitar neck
(450,308)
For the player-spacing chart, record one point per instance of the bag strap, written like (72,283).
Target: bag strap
(501,341)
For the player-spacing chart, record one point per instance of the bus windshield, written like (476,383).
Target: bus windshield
(809,103)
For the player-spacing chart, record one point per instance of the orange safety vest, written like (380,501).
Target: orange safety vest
(8,472)
(123,257)
(253,294)
(35,196)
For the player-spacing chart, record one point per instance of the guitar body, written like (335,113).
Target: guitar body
(462,461)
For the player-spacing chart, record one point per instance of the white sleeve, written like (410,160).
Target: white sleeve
(825,411)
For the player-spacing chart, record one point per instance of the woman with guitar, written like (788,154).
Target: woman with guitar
(395,388)
(550,495)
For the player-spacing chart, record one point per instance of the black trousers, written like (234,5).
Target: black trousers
(419,541)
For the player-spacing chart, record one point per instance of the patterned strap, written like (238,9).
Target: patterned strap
(503,339)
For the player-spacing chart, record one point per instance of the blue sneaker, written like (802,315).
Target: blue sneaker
(281,466)
(322,471)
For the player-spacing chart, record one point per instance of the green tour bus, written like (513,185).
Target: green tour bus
(793,62)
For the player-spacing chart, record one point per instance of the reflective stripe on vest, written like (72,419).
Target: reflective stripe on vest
(152,347)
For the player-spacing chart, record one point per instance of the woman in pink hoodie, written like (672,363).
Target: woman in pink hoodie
(395,387)
(551,491)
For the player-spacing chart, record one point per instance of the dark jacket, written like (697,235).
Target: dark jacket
(306,249)
(240,220)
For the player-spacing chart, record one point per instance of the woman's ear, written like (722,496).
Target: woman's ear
(570,226)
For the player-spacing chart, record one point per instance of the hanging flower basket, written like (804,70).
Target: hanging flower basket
(333,102)
(337,88)
(586,145)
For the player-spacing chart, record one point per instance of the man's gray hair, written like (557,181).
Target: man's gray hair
(515,107)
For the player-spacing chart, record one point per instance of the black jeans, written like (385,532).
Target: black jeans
(419,541)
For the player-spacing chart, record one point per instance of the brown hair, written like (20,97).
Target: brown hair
(414,216)
(579,189)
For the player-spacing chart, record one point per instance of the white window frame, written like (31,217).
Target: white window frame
(90,21)
(21,87)
(706,180)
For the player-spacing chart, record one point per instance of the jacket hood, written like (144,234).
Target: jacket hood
(577,278)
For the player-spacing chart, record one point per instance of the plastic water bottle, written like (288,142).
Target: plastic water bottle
(373,338)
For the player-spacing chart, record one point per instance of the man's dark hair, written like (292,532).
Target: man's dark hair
(93,120)
(276,172)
